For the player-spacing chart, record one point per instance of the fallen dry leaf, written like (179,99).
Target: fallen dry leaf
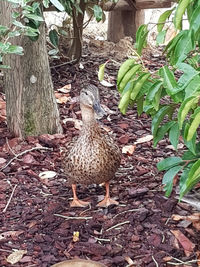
(65,89)
(198,258)
(187,245)
(144,139)
(194,218)
(47,174)
(106,84)
(12,234)
(128,149)
(16,256)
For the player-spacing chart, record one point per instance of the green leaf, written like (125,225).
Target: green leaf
(192,87)
(185,107)
(184,46)
(168,163)
(174,134)
(45,3)
(138,84)
(14,34)
(53,36)
(140,102)
(168,179)
(195,20)
(161,37)
(193,178)
(34,17)
(141,36)
(18,24)
(14,49)
(162,19)
(153,90)
(191,145)
(162,131)
(159,117)
(189,73)
(183,179)
(58,5)
(180,10)
(4,67)
(169,81)
(101,71)
(125,99)
(3,29)
(124,68)
(98,13)
(194,125)
(15,15)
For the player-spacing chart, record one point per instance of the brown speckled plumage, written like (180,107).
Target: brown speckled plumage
(93,157)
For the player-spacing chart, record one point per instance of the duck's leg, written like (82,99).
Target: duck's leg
(77,202)
(107,200)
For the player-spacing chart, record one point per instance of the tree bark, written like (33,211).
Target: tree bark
(30,102)
(76,48)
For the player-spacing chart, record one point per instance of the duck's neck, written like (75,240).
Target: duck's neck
(88,117)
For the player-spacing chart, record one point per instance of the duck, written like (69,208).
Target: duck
(93,157)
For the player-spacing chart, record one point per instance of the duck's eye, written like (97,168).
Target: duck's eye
(86,93)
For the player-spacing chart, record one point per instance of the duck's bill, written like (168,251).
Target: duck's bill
(98,109)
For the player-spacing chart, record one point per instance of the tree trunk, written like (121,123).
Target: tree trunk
(122,23)
(76,48)
(30,102)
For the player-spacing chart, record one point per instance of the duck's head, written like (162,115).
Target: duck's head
(90,99)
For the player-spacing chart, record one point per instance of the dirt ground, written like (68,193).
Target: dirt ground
(145,230)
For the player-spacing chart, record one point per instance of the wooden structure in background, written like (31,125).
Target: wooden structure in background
(127,15)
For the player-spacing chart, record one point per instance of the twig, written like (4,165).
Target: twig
(124,212)
(101,239)
(155,261)
(72,218)
(24,152)
(180,262)
(63,64)
(116,225)
(9,200)
(7,143)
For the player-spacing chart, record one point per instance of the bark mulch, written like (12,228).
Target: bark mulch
(38,221)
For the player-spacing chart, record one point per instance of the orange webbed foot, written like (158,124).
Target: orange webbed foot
(107,201)
(79,203)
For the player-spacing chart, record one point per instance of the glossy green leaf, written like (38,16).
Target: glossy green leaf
(180,10)
(153,90)
(58,5)
(124,68)
(185,108)
(168,163)
(193,178)
(125,99)
(34,17)
(45,3)
(162,131)
(168,179)
(4,66)
(140,102)
(141,36)
(195,20)
(194,125)
(191,145)
(14,34)
(98,13)
(162,19)
(174,134)
(169,81)
(160,39)
(184,46)
(14,49)
(53,36)
(159,117)
(138,84)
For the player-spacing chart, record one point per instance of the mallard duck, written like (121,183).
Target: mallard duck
(93,158)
